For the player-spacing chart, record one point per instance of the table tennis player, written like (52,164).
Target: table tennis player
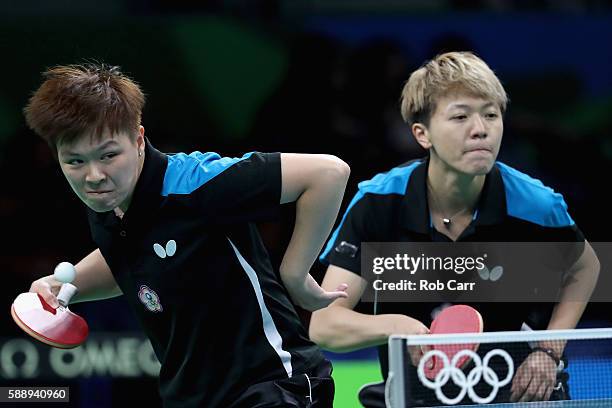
(175,236)
(454,105)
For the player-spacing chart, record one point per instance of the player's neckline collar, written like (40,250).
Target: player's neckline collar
(415,211)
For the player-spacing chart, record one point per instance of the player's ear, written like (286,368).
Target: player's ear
(421,134)
(140,138)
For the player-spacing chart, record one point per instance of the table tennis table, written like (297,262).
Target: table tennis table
(590,403)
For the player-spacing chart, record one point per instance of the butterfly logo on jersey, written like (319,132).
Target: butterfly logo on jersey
(492,275)
(149,298)
(163,252)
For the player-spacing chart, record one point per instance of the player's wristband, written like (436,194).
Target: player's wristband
(550,353)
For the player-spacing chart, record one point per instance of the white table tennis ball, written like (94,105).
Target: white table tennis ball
(64,272)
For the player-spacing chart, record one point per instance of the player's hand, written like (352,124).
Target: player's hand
(409,326)
(534,379)
(309,295)
(48,288)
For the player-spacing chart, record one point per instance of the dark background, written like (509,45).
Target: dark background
(297,76)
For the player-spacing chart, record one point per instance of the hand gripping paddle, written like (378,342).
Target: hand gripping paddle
(56,327)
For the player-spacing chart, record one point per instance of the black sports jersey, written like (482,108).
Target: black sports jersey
(392,207)
(193,268)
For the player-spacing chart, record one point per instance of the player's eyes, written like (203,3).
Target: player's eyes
(492,115)
(459,117)
(108,156)
(74,162)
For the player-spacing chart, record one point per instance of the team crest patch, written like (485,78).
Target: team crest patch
(149,298)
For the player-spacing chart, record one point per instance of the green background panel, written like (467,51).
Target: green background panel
(349,376)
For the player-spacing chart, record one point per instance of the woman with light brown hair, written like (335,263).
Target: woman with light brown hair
(176,236)
(454,105)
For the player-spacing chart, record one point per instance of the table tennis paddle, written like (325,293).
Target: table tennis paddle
(57,327)
(453,319)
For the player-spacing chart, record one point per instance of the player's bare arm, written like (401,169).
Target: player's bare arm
(94,281)
(316,183)
(339,328)
(579,285)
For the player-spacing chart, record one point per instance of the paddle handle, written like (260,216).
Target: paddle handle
(67,291)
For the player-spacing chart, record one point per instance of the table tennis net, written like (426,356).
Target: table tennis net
(503,367)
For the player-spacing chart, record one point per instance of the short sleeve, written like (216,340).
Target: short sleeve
(344,247)
(228,190)
(569,236)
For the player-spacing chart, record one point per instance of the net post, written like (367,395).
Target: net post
(395,387)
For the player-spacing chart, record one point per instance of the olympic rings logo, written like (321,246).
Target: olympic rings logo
(480,370)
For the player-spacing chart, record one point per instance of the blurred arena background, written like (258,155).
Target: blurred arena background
(320,76)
